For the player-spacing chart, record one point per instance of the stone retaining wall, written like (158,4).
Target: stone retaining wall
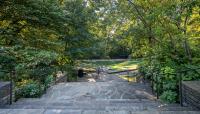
(4,93)
(191,93)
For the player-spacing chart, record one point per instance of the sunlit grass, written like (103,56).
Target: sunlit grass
(125,65)
(113,64)
(129,78)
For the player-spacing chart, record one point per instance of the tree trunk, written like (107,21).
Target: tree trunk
(185,43)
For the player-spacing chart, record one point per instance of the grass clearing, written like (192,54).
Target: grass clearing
(113,64)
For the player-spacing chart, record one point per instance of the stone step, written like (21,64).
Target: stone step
(83,83)
(139,112)
(100,106)
(151,108)
(40,101)
(80,84)
(109,90)
(83,104)
(67,111)
(110,108)
(90,103)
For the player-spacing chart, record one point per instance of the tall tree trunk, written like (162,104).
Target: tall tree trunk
(185,42)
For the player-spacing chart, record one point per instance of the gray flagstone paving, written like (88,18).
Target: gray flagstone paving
(107,95)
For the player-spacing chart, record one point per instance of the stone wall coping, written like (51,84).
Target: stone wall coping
(2,84)
(195,85)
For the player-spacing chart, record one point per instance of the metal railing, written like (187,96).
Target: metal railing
(179,83)
(184,72)
(11,75)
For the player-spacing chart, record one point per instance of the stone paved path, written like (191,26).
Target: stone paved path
(107,95)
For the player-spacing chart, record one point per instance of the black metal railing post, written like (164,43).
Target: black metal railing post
(128,76)
(55,76)
(180,90)
(152,84)
(12,73)
(157,90)
(144,79)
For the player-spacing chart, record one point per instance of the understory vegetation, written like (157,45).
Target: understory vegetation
(40,37)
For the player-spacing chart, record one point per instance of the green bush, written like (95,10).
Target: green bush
(41,73)
(169,96)
(146,70)
(169,78)
(169,86)
(48,81)
(29,89)
(7,64)
(71,73)
(166,75)
(163,76)
(190,72)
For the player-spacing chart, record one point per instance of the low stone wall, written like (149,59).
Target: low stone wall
(4,93)
(191,93)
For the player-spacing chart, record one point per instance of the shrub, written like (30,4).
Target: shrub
(7,64)
(169,96)
(71,73)
(169,78)
(190,72)
(48,81)
(41,72)
(28,89)
(164,78)
(145,70)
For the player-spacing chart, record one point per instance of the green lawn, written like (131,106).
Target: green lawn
(114,64)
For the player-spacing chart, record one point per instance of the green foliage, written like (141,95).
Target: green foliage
(28,89)
(35,34)
(35,65)
(48,81)
(169,96)
(169,43)
(165,78)
(72,73)
(7,62)
(190,72)
(145,70)
(169,79)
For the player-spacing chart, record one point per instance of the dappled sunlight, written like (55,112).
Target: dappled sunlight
(128,78)
(91,80)
(144,92)
(126,65)
(88,70)
(162,105)
(123,67)
(113,64)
